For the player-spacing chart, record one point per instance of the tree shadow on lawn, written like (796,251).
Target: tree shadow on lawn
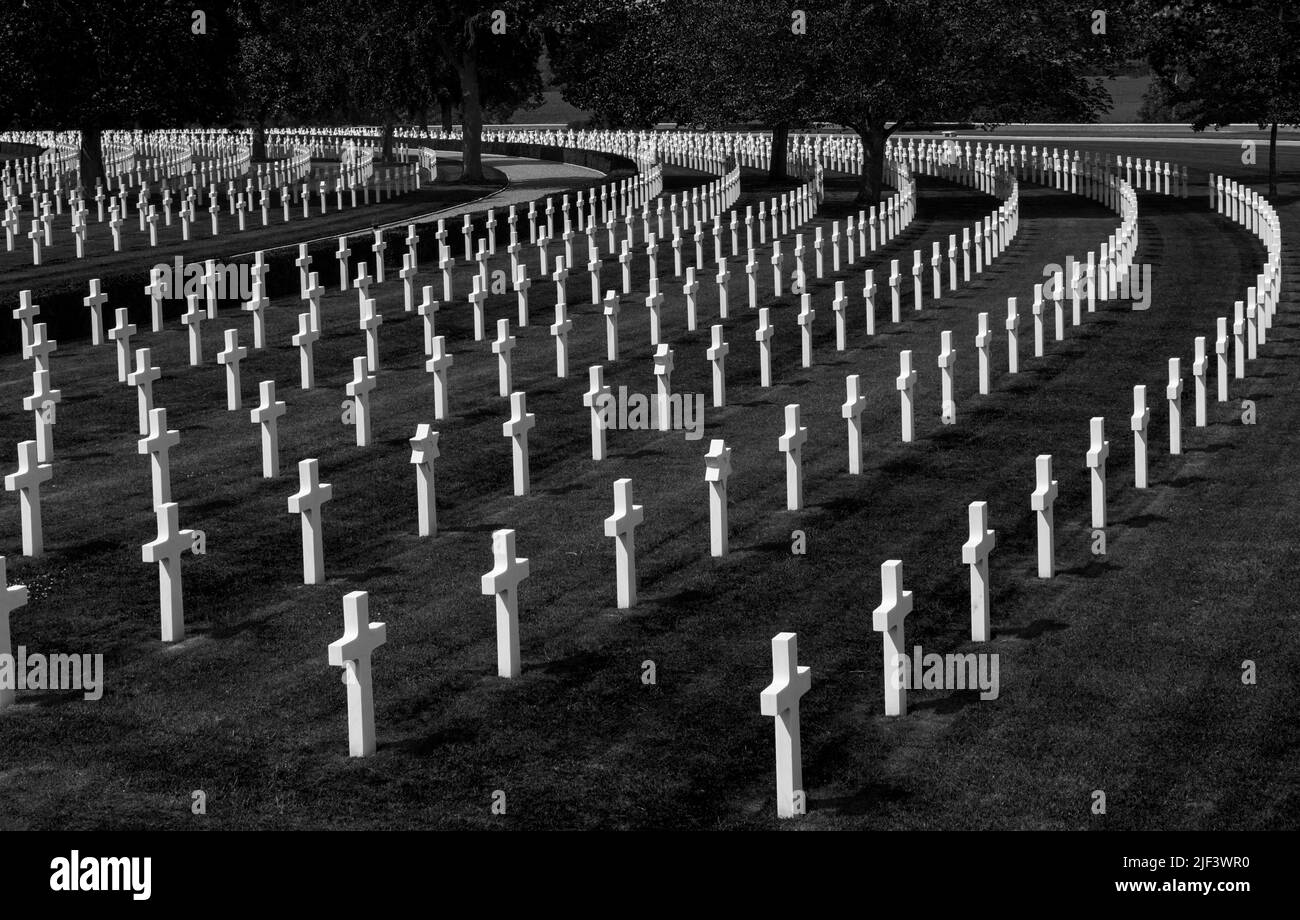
(1182,482)
(81,552)
(206,508)
(1140,521)
(436,742)
(866,801)
(658,613)
(564,490)
(1031,630)
(945,705)
(577,670)
(1093,568)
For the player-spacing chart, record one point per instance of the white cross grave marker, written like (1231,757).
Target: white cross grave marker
(1042,500)
(1098,451)
(906,385)
(503,583)
(11,598)
(307,502)
(424,450)
(359,388)
(1138,422)
(791,444)
(267,415)
(888,620)
(158,446)
(26,481)
(352,652)
(621,526)
(166,551)
(516,429)
(975,553)
(780,699)
(717,469)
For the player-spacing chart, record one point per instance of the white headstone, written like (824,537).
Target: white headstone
(230,357)
(307,502)
(267,415)
(763,335)
(424,450)
(503,583)
(158,446)
(26,481)
(717,356)
(906,383)
(1013,337)
(193,321)
(717,469)
(142,378)
(516,429)
(597,395)
(166,551)
(121,335)
(1098,451)
(11,598)
(780,699)
(621,526)
(352,653)
(1141,417)
(947,359)
(1041,501)
(975,553)
(1174,393)
(438,365)
(359,389)
(888,620)
(663,371)
(791,444)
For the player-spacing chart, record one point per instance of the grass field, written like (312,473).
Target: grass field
(1121,674)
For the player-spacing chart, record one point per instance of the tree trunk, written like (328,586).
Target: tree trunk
(386,154)
(91,161)
(445,105)
(472,128)
(424,118)
(259,142)
(1272,161)
(780,152)
(872,179)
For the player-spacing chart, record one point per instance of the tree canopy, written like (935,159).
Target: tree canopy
(875,67)
(1218,62)
(109,64)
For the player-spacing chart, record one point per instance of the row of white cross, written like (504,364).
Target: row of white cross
(791,681)
(171,542)
(354,649)
(240,204)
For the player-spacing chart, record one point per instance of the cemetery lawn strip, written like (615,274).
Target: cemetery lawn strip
(1120,675)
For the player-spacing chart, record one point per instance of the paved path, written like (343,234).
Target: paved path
(528,179)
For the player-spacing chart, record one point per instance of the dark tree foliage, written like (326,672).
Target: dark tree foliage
(111,64)
(1217,62)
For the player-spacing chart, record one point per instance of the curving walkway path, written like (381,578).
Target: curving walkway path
(528,179)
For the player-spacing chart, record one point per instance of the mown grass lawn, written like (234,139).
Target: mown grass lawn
(1121,675)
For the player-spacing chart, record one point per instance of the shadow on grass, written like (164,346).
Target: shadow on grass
(1030,631)
(79,552)
(865,801)
(204,508)
(1144,520)
(1093,568)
